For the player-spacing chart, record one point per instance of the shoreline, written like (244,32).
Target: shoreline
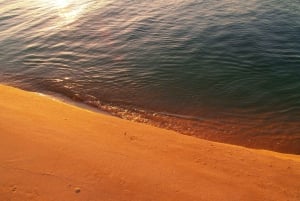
(51,150)
(85,106)
(254,132)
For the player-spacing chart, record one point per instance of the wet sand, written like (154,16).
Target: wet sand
(50,150)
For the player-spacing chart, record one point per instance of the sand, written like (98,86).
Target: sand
(51,150)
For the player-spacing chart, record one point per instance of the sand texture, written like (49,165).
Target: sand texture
(53,151)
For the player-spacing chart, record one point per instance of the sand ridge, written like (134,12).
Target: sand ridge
(50,150)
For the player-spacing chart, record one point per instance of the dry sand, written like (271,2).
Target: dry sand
(50,150)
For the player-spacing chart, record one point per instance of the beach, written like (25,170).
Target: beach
(52,150)
(225,71)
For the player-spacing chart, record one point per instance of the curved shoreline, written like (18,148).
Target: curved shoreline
(51,150)
(259,131)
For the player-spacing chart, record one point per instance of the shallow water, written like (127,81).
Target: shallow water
(222,70)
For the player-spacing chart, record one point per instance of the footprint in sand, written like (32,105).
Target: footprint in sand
(77,190)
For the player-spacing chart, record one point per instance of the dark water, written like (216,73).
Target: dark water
(225,70)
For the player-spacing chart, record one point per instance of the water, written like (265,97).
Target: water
(222,70)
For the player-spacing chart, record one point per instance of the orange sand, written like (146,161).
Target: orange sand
(50,150)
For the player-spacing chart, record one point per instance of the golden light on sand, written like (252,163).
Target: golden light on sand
(57,151)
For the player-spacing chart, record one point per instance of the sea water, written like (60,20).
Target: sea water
(224,70)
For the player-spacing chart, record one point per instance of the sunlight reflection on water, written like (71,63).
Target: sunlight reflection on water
(68,11)
(234,62)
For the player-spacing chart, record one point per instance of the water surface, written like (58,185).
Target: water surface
(221,70)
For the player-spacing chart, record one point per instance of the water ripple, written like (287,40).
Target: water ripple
(230,63)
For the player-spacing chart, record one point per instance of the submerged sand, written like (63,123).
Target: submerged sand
(50,150)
